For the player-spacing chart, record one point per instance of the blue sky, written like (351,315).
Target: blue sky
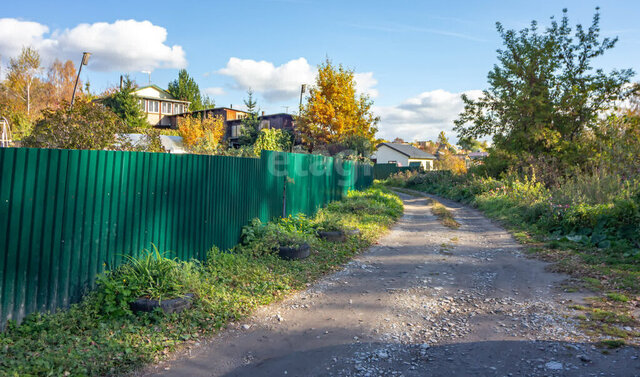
(412,57)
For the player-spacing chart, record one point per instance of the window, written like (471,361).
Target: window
(235,131)
(166,107)
(177,108)
(152,106)
(265,124)
(141,104)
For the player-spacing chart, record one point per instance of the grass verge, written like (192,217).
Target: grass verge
(100,336)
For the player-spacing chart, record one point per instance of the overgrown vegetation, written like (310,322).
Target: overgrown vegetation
(102,336)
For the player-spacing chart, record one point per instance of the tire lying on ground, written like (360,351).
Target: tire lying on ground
(174,305)
(333,236)
(294,253)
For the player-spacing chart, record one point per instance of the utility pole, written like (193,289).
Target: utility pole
(84,61)
(303,89)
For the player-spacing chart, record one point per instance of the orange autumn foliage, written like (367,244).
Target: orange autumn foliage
(201,135)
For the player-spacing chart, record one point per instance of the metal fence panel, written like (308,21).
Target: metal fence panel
(67,215)
(383,171)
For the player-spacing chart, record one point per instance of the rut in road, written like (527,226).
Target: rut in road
(426,301)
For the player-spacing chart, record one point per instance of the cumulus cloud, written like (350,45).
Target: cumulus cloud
(423,117)
(365,83)
(278,83)
(275,83)
(214,91)
(14,34)
(124,45)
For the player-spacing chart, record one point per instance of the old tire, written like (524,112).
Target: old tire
(294,253)
(174,305)
(334,236)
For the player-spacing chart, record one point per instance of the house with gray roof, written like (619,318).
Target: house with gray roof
(403,155)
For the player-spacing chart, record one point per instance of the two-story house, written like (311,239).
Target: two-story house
(159,105)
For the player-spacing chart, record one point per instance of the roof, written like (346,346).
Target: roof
(409,151)
(219,108)
(173,144)
(156,87)
(478,154)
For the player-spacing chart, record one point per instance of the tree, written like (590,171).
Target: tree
(251,123)
(334,111)
(201,136)
(272,139)
(358,146)
(544,96)
(23,75)
(449,161)
(473,145)
(60,82)
(86,126)
(185,88)
(126,105)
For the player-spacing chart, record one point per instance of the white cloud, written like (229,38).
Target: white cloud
(14,34)
(124,45)
(277,83)
(423,117)
(214,91)
(365,83)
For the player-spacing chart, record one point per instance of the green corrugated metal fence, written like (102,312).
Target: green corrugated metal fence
(66,215)
(383,171)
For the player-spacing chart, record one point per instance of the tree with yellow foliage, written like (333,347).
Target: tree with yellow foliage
(201,136)
(334,112)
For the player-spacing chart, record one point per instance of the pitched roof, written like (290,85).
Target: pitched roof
(159,89)
(154,86)
(409,151)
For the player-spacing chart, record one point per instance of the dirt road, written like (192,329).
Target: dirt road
(426,301)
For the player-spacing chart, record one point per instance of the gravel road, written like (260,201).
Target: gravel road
(426,301)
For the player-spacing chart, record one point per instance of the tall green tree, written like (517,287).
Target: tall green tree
(126,106)
(544,95)
(251,123)
(185,88)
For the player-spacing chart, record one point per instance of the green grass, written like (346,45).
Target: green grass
(88,339)
(617,297)
(444,215)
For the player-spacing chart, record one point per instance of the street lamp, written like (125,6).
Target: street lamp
(85,61)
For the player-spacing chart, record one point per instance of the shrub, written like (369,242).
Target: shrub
(201,135)
(85,126)
(152,276)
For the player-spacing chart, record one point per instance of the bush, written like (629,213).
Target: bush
(86,126)
(152,276)
(597,209)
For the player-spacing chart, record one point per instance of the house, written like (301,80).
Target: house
(233,120)
(403,155)
(160,106)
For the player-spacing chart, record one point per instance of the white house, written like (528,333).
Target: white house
(403,155)
(159,105)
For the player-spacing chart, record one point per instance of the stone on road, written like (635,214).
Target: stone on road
(426,301)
